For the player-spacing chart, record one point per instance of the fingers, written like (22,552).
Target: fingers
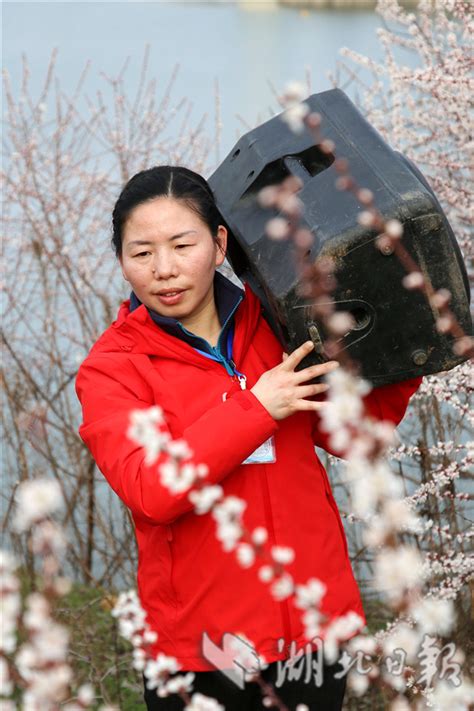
(314,371)
(289,362)
(301,405)
(298,354)
(314,389)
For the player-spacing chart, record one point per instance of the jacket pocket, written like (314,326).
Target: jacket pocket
(169,541)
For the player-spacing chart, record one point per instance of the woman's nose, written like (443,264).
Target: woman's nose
(164,266)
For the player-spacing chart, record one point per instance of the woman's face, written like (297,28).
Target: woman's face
(169,257)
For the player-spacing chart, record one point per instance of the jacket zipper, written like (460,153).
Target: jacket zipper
(217,352)
(284,610)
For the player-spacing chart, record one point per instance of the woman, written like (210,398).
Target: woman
(197,345)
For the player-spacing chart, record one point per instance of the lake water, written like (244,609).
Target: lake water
(244,49)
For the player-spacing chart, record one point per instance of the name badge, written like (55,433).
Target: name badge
(265,454)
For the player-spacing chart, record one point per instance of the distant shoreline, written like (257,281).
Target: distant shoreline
(341,4)
(324,4)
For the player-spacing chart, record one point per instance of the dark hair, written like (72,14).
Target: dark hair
(165,181)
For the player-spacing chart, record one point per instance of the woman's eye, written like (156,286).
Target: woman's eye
(141,254)
(181,246)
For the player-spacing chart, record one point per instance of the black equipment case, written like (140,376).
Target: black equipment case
(394,337)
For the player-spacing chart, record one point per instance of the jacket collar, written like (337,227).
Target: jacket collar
(136,332)
(228,297)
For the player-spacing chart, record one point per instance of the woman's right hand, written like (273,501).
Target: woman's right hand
(281,390)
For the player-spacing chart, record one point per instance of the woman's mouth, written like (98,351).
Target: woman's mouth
(169,298)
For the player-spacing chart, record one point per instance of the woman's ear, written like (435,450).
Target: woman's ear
(221,245)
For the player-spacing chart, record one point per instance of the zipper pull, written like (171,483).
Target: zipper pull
(240,376)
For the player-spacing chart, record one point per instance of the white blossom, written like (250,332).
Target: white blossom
(394,228)
(414,280)
(130,614)
(179,449)
(365,196)
(282,554)
(277,228)
(156,670)
(199,702)
(228,516)
(341,322)
(45,682)
(370,483)
(358,683)
(402,637)
(362,643)
(397,570)
(400,704)
(265,573)
(139,657)
(144,429)
(35,500)
(244,655)
(282,587)
(150,636)
(344,405)
(267,196)
(6,684)
(434,616)
(245,555)
(311,594)
(10,601)
(294,117)
(179,683)
(229,532)
(312,620)
(441,298)
(396,515)
(338,630)
(205,498)
(48,538)
(231,506)
(366,218)
(37,611)
(259,535)
(177,477)
(445,696)
(293,93)
(42,658)
(86,694)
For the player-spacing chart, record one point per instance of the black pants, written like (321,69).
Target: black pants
(323,694)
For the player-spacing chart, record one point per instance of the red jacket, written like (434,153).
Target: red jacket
(187,584)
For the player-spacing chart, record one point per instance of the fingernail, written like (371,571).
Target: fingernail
(334,364)
(310,343)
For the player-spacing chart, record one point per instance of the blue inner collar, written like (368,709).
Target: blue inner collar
(228,297)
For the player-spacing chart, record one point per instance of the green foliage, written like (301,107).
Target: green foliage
(98,654)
